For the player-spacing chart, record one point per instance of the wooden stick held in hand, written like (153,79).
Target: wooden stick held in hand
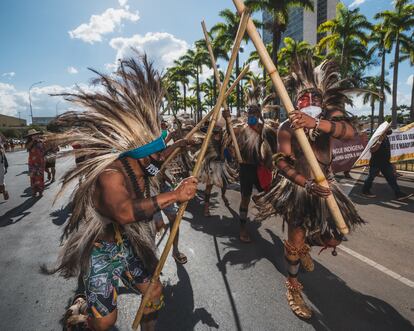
(203,120)
(218,81)
(240,33)
(300,134)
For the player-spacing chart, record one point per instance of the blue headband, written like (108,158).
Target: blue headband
(153,147)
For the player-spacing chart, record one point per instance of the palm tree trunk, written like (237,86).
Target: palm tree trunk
(215,89)
(395,82)
(185,98)
(238,84)
(277,37)
(198,97)
(372,114)
(412,102)
(382,100)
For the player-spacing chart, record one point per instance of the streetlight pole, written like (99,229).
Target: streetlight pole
(30,98)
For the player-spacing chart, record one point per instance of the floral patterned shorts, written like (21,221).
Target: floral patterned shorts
(110,267)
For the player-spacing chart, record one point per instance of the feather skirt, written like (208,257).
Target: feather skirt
(299,208)
(217,173)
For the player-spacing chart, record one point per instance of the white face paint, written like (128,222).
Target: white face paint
(313,111)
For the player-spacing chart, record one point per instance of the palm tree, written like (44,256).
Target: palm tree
(291,49)
(375,87)
(208,87)
(396,22)
(407,53)
(345,37)
(195,59)
(254,56)
(225,33)
(180,71)
(377,40)
(219,52)
(172,90)
(279,9)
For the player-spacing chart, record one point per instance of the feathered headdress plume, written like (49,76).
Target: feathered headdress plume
(121,113)
(324,79)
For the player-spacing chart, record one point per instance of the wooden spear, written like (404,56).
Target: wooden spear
(287,103)
(204,119)
(240,33)
(218,82)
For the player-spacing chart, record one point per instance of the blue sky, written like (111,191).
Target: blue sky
(55,41)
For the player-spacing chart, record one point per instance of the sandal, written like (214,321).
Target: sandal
(180,258)
(296,302)
(75,314)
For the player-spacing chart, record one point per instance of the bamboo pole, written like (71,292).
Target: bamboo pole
(300,134)
(218,82)
(238,79)
(203,120)
(240,33)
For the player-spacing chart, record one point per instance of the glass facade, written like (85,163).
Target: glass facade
(297,23)
(295,26)
(322,15)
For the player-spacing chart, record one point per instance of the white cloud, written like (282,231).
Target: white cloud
(206,73)
(13,101)
(102,24)
(254,67)
(161,47)
(72,70)
(356,3)
(361,109)
(10,74)
(122,3)
(410,80)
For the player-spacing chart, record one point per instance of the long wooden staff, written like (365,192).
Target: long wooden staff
(300,134)
(218,82)
(240,33)
(204,119)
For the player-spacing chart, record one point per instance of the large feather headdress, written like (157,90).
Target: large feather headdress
(324,79)
(120,114)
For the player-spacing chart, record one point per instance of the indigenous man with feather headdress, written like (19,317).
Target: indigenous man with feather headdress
(253,139)
(320,100)
(216,171)
(109,238)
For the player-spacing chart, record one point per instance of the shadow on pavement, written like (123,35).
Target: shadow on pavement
(339,307)
(179,310)
(385,197)
(18,212)
(59,216)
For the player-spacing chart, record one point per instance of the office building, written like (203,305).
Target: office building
(303,24)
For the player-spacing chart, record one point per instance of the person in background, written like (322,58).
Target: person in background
(380,162)
(3,170)
(35,147)
(50,161)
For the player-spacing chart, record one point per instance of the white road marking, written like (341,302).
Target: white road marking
(348,188)
(378,266)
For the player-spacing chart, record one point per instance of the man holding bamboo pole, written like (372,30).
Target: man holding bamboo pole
(297,196)
(307,128)
(109,238)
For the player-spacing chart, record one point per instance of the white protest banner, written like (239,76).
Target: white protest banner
(365,156)
(402,143)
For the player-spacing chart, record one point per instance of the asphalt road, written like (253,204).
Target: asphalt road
(225,285)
